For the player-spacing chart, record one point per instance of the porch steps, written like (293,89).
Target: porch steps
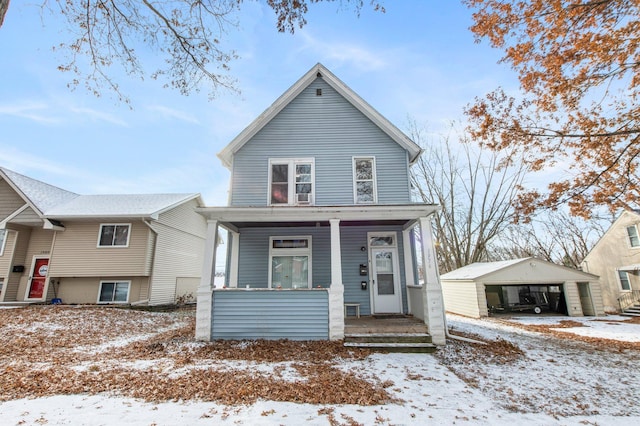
(391,342)
(632,311)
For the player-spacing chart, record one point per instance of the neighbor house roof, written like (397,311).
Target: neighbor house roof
(40,195)
(319,71)
(52,202)
(480,269)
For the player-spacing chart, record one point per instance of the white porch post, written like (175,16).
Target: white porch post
(336,290)
(408,263)
(235,253)
(204,308)
(433,304)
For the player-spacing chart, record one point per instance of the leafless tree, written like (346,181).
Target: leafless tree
(475,187)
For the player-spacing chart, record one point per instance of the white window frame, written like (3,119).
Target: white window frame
(635,228)
(374,178)
(3,240)
(626,274)
(291,184)
(291,252)
(116,282)
(102,225)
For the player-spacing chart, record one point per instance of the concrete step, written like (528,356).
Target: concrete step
(388,337)
(630,314)
(394,346)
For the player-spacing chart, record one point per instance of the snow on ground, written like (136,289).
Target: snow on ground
(524,377)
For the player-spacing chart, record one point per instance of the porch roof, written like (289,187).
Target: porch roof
(239,217)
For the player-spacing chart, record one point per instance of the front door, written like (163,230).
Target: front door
(385,281)
(38,278)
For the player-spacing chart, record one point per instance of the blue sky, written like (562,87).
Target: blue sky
(416,61)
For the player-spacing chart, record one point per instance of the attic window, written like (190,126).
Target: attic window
(319,75)
(318,92)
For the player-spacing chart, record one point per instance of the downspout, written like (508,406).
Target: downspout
(152,266)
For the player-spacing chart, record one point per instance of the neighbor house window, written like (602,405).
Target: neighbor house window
(3,237)
(114,292)
(291,181)
(364,180)
(632,232)
(290,260)
(623,276)
(114,235)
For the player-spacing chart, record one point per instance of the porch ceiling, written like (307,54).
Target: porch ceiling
(241,217)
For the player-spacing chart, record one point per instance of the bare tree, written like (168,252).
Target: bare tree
(187,35)
(554,236)
(475,187)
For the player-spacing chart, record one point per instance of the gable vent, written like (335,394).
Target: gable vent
(318,92)
(319,75)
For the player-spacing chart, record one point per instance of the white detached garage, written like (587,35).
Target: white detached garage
(521,285)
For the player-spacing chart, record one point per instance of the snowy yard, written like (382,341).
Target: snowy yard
(78,365)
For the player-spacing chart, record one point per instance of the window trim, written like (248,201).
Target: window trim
(618,272)
(291,252)
(3,241)
(102,225)
(635,228)
(291,184)
(374,178)
(116,282)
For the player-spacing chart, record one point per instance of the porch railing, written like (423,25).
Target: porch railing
(629,299)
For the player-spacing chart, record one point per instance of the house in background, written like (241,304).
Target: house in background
(616,259)
(320,222)
(521,285)
(55,244)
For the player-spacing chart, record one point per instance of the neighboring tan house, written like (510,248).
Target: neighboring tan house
(136,249)
(521,285)
(320,222)
(616,259)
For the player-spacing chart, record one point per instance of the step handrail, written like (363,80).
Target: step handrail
(628,299)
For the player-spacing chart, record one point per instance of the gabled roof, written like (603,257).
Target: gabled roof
(51,202)
(119,205)
(319,71)
(41,196)
(484,270)
(480,269)
(611,228)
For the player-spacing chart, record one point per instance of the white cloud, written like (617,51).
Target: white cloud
(30,110)
(343,53)
(167,112)
(96,115)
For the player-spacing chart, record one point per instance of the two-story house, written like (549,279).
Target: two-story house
(320,220)
(97,249)
(616,259)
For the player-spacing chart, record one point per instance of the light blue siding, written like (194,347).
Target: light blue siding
(275,314)
(331,130)
(254,258)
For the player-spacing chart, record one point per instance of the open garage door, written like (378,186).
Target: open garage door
(536,298)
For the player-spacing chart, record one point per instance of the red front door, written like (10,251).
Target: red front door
(38,278)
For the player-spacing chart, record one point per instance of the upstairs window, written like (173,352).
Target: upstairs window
(291,181)
(625,284)
(364,180)
(114,235)
(632,232)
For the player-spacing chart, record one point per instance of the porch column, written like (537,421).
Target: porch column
(408,263)
(204,308)
(336,290)
(235,253)
(433,304)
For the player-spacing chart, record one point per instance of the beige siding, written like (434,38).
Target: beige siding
(179,252)
(85,290)
(6,262)
(187,288)
(23,235)
(596,295)
(10,201)
(27,217)
(39,245)
(574,307)
(611,252)
(463,298)
(77,255)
